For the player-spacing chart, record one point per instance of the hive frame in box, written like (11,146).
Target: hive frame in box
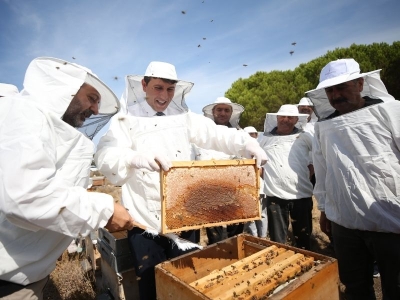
(191,208)
(238,268)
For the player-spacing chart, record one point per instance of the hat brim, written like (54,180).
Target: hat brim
(288,114)
(237,108)
(340,79)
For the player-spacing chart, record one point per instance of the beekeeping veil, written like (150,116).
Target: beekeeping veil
(340,71)
(54,82)
(133,100)
(237,110)
(8,90)
(305,101)
(271,120)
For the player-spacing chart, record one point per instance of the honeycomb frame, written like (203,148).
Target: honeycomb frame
(198,194)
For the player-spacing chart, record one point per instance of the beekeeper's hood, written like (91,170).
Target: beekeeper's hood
(8,90)
(250,129)
(285,110)
(305,101)
(237,110)
(133,100)
(340,71)
(54,82)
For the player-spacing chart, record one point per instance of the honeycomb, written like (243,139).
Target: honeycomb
(256,276)
(204,193)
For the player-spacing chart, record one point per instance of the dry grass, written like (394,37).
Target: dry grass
(69,282)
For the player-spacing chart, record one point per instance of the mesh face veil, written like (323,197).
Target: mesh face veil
(109,106)
(54,82)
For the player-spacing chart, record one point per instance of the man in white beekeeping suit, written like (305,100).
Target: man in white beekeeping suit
(156,126)
(44,172)
(7,90)
(356,155)
(286,176)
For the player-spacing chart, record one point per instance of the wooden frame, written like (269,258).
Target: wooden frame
(204,274)
(198,194)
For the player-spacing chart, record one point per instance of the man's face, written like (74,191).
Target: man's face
(222,114)
(84,104)
(159,93)
(346,97)
(253,134)
(306,109)
(286,124)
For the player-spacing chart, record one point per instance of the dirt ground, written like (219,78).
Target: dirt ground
(68,281)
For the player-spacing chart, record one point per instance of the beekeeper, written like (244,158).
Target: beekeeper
(7,90)
(44,170)
(224,112)
(305,106)
(356,159)
(287,175)
(156,127)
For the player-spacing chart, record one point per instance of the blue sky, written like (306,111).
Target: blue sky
(119,37)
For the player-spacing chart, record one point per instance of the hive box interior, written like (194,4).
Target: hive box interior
(197,194)
(247,267)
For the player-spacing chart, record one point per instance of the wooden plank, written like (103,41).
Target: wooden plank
(212,162)
(260,278)
(320,283)
(206,280)
(194,265)
(168,286)
(246,275)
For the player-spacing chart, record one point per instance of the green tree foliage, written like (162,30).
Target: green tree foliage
(265,92)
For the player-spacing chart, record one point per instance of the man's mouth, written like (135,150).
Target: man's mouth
(338,101)
(161,103)
(86,114)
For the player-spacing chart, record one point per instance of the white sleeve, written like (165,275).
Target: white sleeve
(33,194)
(114,152)
(206,134)
(308,139)
(319,163)
(391,118)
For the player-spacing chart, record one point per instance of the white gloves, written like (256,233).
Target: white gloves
(254,150)
(149,161)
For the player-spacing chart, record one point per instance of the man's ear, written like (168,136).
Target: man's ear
(360,83)
(144,85)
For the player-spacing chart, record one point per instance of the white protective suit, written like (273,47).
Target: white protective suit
(286,174)
(358,180)
(171,134)
(44,170)
(7,90)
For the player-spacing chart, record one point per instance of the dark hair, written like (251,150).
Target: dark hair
(148,78)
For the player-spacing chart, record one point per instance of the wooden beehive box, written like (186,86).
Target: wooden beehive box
(197,194)
(247,267)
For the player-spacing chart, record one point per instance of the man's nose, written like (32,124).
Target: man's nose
(95,108)
(335,93)
(164,94)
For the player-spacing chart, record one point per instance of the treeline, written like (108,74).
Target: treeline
(266,91)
